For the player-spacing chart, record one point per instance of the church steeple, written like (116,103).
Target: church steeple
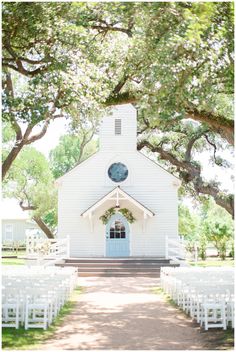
(119,130)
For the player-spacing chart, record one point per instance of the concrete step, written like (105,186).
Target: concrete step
(117,261)
(118,274)
(112,259)
(115,270)
(117,267)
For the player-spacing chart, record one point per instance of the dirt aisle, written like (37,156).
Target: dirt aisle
(124,313)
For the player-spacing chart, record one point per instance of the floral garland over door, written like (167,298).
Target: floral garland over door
(111,211)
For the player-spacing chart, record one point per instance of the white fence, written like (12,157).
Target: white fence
(175,250)
(47,251)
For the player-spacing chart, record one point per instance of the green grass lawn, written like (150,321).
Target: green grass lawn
(13,261)
(212,262)
(20,339)
(18,253)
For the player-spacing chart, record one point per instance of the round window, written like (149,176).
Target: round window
(118,172)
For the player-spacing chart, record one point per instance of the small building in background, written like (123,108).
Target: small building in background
(16,223)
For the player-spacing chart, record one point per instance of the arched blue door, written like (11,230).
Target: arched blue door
(117,236)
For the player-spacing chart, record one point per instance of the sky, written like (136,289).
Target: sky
(50,140)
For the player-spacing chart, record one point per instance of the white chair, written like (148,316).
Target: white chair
(213,313)
(37,309)
(10,308)
(230,312)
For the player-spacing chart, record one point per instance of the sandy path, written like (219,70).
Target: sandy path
(124,313)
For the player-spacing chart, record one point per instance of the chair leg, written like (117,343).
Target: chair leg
(26,317)
(223,317)
(206,318)
(17,316)
(45,318)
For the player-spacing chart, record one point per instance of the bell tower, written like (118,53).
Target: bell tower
(119,130)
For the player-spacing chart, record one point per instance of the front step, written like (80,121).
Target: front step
(118,260)
(112,274)
(118,267)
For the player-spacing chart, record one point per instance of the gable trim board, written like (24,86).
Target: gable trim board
(116,192)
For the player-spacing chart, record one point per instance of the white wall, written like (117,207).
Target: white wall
(147,183)
(128,139)
(19,229)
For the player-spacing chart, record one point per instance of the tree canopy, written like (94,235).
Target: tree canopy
(172,60)
(70,151)
(206,224)
(31,182)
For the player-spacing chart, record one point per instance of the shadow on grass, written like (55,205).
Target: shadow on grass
(159,291)
(168,299)
(21,339)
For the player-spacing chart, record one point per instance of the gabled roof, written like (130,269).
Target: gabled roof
(119,194)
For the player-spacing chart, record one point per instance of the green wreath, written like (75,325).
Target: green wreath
(124,211)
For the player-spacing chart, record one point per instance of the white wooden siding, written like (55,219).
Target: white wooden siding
(19,228)
(127,140)
(148,183)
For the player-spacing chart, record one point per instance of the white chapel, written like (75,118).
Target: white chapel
(118,202)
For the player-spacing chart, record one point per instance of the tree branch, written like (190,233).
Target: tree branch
(212,144)
(120,85)
(86,139)
(190,172)
(39,135)
(20,69)
(191,144)
(18,61)
(26,207)
(10,94)
(41,224)
(106,28)
(219,124)
(121,98)
(25,59)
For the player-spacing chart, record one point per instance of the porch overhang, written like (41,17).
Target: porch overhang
(117,194)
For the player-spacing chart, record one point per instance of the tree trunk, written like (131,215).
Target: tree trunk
(10,158)
(43,227)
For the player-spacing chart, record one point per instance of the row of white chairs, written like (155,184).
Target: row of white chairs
(206,294)
(33,297)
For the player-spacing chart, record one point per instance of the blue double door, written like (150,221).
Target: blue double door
(117,237)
